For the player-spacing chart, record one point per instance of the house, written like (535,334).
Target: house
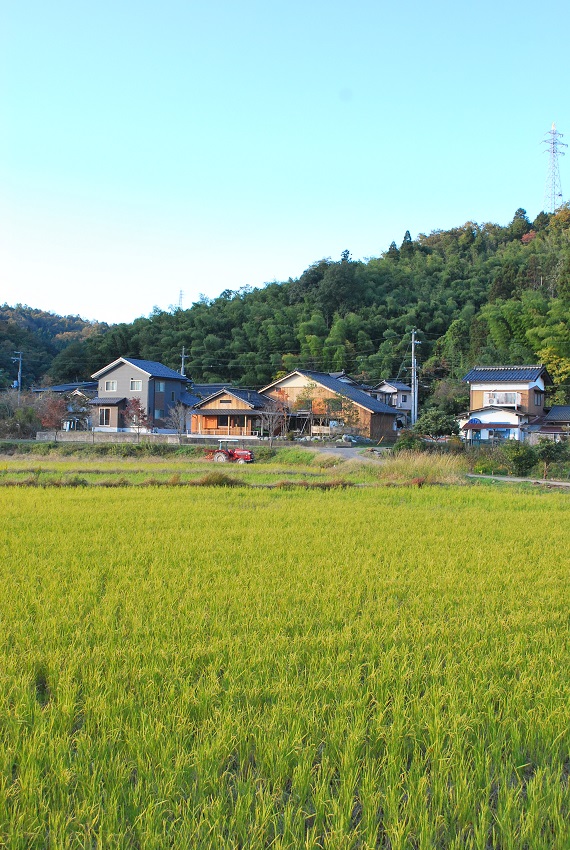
(318,402)
(77,397)
(504,401)
(396,394)
(232,412)
(555,425)
(158,388)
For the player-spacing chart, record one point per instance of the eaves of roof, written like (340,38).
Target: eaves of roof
(354,394)
(558,413)
(506,374)
(152,368)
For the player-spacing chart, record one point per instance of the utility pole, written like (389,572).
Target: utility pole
(183,361)
(553,191)
(18,360)
(414,379)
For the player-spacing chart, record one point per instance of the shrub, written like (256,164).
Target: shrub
(549,452)
(520,457)
(409,442)
(265,453)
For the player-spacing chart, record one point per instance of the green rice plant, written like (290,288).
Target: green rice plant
(217,478)
(293,455)
(327,461)
(299,679)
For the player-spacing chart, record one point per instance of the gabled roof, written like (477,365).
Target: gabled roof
(253,400)
(356,395)
(558,413)
(151,367)
(484,426)
(506,374)
(397,385)
(496,407)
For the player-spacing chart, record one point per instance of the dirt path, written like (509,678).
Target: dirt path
(510,479)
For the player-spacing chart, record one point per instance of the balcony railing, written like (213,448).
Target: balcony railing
(504,399)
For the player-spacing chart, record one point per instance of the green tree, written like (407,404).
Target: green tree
(520,457)
(549,452)
(435,423)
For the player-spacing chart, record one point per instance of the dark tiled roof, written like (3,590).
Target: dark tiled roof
(507,374)
(250,397)
(68,388)
(106,401)
(188,399)
(206,390)
(353,393)
(558,413)
(156,370)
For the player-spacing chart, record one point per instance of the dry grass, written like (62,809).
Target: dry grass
(416,467)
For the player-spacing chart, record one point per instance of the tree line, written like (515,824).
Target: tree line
(479,293)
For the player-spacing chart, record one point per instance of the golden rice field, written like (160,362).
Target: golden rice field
(382,667)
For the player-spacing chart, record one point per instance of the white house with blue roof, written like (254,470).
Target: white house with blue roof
(157,387)
(505,402)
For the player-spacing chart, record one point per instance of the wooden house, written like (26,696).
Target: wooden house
(326,402)
(232,412)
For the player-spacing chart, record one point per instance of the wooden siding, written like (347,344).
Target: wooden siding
(303,394)
(527,403)
(226,401)
(208,425)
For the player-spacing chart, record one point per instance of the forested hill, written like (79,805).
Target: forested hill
(476,293)
(40,336)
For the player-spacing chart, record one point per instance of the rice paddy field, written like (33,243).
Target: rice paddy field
(215,667)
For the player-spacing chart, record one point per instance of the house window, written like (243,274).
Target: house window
(159,413)
(538,398)
(110,386)
(172,396)
(404,397)
(136,386)
(225,401)
(222,421)
(160,386)
(104,415)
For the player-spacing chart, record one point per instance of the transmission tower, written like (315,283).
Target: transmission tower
(180,297)
(553,191)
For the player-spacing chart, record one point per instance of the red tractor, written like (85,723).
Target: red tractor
(226,453)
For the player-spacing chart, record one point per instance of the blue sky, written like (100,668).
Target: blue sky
(148,148)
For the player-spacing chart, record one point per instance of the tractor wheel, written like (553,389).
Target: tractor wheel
(241,460)
(220,457)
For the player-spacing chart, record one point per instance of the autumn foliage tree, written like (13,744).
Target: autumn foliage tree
(54,413)
(135,416)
